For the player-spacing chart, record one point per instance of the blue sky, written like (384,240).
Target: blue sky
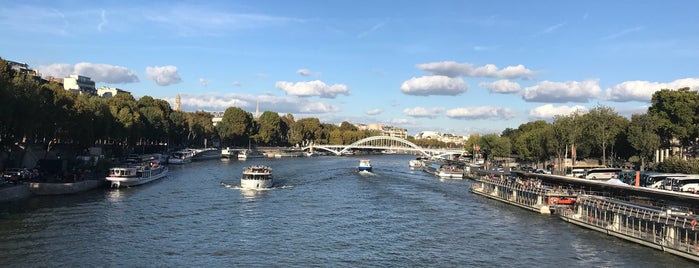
(459,67)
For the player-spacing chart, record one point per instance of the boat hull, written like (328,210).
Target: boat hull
(179,161)
(364,169)
(256,184)
(50,188)
(118,182)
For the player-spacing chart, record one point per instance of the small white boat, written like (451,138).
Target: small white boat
(256,177)
(417,163)
(181,157)
(137,172)
(364,165)
(228,153)
(245,154)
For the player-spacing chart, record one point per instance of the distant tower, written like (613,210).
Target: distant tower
(178,103)
(257,110)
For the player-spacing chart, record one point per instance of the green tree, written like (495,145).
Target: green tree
(235,126)
(676,114)
(603,124)
(271,128)
(641,134)
(201,128)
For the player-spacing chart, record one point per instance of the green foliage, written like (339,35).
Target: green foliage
(676,165)
(604,124)
(642,136)
(676,114)
(271,129)
(236,126)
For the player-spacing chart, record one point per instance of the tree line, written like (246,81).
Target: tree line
(671,121)
(32,111)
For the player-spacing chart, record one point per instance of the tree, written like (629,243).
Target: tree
(495,145)
(271,128)
(641,134)
(676,114)
(235,126)
(604,124)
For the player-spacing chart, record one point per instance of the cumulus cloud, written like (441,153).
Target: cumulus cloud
(643,90)
(561,92)
(306,72)
(501,86)
(163,75)
(312,88)
(549,111)
(434,85)
(454,69)
(481,112)
(217,102)
(374,112)
(423,112)
(98,72)
(203,82)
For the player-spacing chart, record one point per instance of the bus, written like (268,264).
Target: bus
(684,184)
(657,180)
(578,171)
(602,173)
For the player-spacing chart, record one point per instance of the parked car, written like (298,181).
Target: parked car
(542,171)
(15,175)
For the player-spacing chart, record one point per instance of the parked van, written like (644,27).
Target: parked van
(602,173)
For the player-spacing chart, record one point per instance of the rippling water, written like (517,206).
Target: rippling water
(320,213)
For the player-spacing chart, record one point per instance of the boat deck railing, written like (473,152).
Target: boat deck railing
(657,227)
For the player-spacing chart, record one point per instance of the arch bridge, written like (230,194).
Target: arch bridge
(388,143)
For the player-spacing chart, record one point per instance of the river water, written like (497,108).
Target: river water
(321,212)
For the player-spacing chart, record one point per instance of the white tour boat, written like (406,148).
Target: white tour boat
(256,177)
(364,165)
(137,171)
(181,157)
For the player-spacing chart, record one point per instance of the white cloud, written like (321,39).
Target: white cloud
(454,69)
(423,112)
(434,85)
(548,111)
(163,75)
(236,84)
(374,112)
(312,88)
(481,112)
(306,72)
(104,73)
(643,90)
(561,92)
(282,105)
(57,70)
(501,86)
(203,82)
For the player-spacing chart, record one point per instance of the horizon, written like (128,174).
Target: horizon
(448,66)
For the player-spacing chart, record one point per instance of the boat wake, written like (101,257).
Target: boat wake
(365,173)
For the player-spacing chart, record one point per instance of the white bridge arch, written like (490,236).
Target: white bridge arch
(374,142)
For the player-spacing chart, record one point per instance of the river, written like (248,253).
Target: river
(321,212)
